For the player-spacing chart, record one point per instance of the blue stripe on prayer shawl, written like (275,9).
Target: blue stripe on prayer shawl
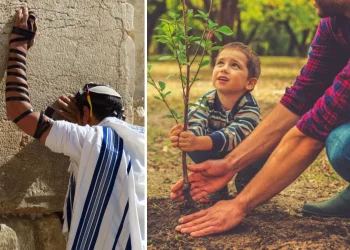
(100,190)
(129,166)
(108,177)
(70,200)
(128,245)
(121,226)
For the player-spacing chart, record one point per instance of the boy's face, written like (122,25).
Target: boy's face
(230,74)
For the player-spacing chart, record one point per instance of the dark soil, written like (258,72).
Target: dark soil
(268,227)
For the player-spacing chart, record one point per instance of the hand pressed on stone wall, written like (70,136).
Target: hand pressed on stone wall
(25,20)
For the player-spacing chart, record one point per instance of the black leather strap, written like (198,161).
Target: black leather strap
(21,116)
(18,52)
(9,73)
(16,59)
(23,32)
(16,66)
(42,126)
(19,84)
(22,91)
(17,98)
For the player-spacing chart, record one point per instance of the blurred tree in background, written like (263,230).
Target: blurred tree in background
(270,27)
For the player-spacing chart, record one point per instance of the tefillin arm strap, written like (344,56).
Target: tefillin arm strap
(18,63)
(19,87)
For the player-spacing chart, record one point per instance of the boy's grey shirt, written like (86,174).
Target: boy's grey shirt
(226,131)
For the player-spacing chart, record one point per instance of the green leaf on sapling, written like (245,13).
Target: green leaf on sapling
(167,93)
(225,30)
(170,76)
(182,58)
(200,43)
(211,24)
(173,14)
(165,21)
(173,112)
(204,63)
(162,85)
(217,34)
(203,14)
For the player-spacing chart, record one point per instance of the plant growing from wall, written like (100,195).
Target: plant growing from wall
(175,34)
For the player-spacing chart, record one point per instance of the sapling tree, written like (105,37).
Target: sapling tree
(175,34)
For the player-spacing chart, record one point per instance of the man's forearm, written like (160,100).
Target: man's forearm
(263,139)
(16,80)
(18,106)
(292,156)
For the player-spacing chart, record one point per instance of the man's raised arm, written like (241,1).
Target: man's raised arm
(18,106)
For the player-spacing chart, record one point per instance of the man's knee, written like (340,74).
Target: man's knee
(338,150)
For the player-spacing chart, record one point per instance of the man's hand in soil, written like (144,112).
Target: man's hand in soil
(221,217)
(206,178)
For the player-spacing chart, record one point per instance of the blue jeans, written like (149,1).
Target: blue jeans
(338,150)
(201,156)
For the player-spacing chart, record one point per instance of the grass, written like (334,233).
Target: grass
(164,163)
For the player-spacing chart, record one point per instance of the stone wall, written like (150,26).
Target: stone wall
(80,41)
(138,36)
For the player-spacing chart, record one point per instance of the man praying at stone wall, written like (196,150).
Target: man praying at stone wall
(105,202)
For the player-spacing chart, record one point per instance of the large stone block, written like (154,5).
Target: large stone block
(80,41)
(25,233)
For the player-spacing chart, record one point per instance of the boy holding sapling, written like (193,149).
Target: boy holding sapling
(225,116)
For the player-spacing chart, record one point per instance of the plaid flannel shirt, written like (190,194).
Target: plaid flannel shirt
(226,131)
(321,93)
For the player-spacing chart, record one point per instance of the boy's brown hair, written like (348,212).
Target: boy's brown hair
(253,63)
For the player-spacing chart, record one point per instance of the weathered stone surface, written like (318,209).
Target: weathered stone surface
(80,41)
(138,36)
(48,234)
(8,238)
(25,233)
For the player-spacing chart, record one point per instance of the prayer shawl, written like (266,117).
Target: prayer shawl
(105,203)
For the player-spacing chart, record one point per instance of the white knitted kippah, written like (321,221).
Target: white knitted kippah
(104,90)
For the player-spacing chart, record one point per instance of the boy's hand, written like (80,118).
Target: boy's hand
(188,142)
(174,135)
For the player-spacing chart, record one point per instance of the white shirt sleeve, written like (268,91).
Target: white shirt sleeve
(67,138)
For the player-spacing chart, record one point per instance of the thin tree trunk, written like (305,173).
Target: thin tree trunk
(226,16)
